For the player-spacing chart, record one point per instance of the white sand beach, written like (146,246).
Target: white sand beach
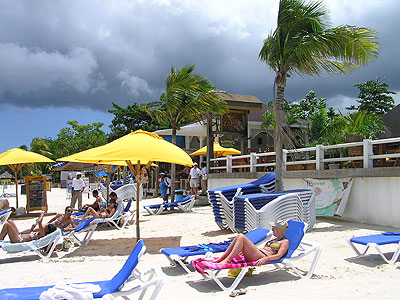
(338,274)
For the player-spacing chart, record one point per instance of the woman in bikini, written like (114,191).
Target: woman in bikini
(96,204)
(274,249)
(63,221)
(107,212)
(15,236)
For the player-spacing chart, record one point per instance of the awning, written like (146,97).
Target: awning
(194,129)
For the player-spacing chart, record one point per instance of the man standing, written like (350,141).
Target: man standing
(194,177)
(204,179)
(78,186)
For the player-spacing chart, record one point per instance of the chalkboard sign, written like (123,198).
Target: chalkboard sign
(36,198)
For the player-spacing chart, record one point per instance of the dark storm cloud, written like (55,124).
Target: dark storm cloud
(89,53)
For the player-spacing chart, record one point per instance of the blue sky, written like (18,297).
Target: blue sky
(60,63)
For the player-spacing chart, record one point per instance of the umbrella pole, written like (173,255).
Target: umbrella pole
(137,201)
(108,181)
(16,188)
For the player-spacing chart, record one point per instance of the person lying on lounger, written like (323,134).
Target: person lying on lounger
(107,212)
(63,221)
(274,249)
(10,229)
(97,204)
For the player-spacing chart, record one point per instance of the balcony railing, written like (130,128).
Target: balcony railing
(366,154)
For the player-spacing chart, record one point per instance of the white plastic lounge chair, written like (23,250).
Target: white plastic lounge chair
(43,247)
(297,250)
(109,288)
(125,218)
(4,215)
(185,205)
(85,226)
(179,255)
(376,240)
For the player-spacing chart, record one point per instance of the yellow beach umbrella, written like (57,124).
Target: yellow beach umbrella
(137,148)
(16,158)
(218,151)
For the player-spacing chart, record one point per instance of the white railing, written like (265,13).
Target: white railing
(316,158)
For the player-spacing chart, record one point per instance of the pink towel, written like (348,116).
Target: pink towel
(239,261)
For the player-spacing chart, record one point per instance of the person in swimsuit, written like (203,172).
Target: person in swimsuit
(274,249)
(96,204)
(107,212)
(15,236)
(63,221)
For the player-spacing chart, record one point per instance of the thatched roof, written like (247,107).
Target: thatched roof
(392,121)
(6,175)
(243,102)
(74,166)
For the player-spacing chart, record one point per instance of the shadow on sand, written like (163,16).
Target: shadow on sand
(263,278)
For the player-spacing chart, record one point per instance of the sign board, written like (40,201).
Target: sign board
(330,194)
(36,197)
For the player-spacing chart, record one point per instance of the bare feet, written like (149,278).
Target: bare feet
(223,262)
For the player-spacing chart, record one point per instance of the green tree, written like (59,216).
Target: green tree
(374,97)
(76,138)
(40,146)
(132,118)
(303,43)
(188,97)
(364,123)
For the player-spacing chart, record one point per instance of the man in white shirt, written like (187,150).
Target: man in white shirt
(78,186)
(204,179)
(194,177)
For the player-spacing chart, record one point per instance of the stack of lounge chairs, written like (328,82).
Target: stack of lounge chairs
(258,210)
(221,199)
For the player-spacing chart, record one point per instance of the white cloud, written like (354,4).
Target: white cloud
(135,85)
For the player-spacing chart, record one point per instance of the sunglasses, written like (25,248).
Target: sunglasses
(70,211)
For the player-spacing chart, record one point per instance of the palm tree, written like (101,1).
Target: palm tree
(303,43)
(188,97)
(40,146)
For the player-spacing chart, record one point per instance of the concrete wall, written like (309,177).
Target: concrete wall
(372,200)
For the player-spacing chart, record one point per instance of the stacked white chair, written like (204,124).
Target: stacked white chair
(257,210)
(221,199)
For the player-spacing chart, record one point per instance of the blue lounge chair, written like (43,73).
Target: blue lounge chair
(179,255)
(376,240)
(185,204)
(84,226)
(297,250)
(112,287)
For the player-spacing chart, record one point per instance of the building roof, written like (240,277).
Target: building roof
(6,175)
(391,120)
(243,102)
(74,166)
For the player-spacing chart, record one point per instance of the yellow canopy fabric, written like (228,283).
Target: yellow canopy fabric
(218,151)
(15,158)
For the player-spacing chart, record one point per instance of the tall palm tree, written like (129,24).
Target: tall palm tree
(303,43)
(40,146)
(188,97)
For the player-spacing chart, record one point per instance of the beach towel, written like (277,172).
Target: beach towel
(70,292)
(203,263)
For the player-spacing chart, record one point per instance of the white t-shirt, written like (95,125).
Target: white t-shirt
(194,173)
(78,184)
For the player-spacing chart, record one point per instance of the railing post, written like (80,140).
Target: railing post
(253,162)
(229,164)
(284,159)
(319,156)
(367,152)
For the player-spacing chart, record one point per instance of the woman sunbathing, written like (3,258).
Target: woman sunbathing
(62,221)
(107,212)
(10,229)
(274,249)
(96,204)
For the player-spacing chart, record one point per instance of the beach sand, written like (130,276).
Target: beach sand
(338,274)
